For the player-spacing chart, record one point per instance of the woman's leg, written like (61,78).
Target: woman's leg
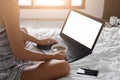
(49,70)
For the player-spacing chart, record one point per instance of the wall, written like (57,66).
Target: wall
(111,8)
(92,7)
(43,13)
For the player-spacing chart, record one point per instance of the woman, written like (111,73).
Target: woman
(15,58)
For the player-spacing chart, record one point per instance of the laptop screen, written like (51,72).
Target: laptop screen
(82,29)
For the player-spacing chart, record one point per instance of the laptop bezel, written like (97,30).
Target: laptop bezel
(76,43)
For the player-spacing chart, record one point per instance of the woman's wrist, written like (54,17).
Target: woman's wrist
(49,56)
(38,41)
(53,56)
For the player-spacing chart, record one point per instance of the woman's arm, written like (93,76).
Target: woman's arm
(27,37)
(10,16)
(46,41)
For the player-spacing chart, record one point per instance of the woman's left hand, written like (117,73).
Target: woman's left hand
(47,41)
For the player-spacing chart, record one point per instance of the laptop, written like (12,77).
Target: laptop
(80,33)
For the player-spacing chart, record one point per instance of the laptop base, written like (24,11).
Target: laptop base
(72,54)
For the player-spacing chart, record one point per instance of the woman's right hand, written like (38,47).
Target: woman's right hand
(47,41)
(59,55)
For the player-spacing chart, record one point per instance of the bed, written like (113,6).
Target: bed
(105,57)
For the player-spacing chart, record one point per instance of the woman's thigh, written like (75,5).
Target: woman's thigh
(49,70)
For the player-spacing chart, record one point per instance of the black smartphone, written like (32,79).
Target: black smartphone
(87,72)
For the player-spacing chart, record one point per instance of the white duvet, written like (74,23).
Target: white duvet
(105,57)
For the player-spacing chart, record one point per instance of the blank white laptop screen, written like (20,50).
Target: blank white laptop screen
(82,28)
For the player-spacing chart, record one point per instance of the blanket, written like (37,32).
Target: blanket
(105,57)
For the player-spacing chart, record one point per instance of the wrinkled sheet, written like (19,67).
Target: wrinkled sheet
(105,57)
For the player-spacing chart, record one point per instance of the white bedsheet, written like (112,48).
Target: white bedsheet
(105,57)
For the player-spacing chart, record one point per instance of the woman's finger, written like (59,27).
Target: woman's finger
(52,41)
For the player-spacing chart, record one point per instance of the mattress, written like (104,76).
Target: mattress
(105,56)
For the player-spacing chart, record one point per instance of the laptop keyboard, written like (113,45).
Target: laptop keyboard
(72,53)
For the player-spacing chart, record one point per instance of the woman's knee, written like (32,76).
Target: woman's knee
(66,67)
(63,66)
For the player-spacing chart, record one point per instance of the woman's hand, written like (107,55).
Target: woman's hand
(59,55)
(47,41)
